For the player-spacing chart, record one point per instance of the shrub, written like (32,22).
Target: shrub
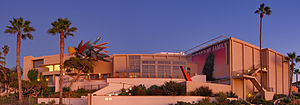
(277,96)
(231,95)
(154,90)
(285,101)
(173,89)
(123,92)
(66,89)
(139,90)
(32,75)
(221,98)
(202,91)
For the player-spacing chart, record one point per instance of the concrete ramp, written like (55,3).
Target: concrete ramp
(112,88)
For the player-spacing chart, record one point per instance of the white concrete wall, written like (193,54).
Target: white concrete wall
(80,83)
(67,101)
(191,86)
(146,81)
(143,100)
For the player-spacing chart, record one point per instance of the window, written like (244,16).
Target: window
(94,76)
(178,63)
(37,63)
(164,62)
(148,62)
(177,73)
(164,71)
(148,71)
(134,64)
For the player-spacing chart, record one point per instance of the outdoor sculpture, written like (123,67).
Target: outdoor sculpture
(90,51)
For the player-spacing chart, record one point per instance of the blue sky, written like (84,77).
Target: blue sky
(151,26)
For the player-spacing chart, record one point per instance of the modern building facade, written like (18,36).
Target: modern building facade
(229,61)
(237,63)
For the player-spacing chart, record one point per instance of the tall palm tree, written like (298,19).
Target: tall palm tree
(23,30)
(292,59)
(262,10)
(296,71)
(62,27)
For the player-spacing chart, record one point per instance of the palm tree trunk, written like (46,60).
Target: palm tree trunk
(297,79)
(19,68)
(62,43)
(291,80)
(260,51)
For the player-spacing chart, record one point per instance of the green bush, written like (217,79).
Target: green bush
(139,90)
(202,91)
(173,89)
(221,98)
(231,95)
(66,89)
(154,90)
(277,96)
(32,75)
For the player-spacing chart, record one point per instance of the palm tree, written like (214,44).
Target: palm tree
(5,49)
(262,10)
(62,27)
(291,59)
(23,31)
(296,71)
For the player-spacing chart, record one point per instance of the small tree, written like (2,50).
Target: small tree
(173,89)
(202,91)
(79,65)
(32,75)
(208,68)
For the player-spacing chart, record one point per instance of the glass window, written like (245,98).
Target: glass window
(37,63)
(164,62)
(164,71)
(178,63)
(134,63)
(177,73)
(148,71)
(148,62)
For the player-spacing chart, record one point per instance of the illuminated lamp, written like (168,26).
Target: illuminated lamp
(249,95)
(249,70)
(237,74)
(38,79)
(63,73)
(265,68)
(47,79)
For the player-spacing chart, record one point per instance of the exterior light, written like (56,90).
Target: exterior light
(63,73)
(99,74)
(249,95)
(109,94)
(249,70)
(38,79)
(47,79)
(237,74)
(265,68)
(116,94)
(130,88)
(88,74)
(126,91)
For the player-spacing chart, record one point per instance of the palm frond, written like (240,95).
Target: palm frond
(27,35)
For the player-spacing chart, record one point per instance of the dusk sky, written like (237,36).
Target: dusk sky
(151,26)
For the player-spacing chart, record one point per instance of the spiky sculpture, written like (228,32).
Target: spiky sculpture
(90,51)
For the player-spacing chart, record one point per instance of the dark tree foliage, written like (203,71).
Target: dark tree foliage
(208,68)
(173,89)
(202,91)
(32,75)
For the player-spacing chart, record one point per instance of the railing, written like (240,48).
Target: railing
(92,86)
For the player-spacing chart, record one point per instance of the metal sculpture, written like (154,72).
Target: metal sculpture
(90,51)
